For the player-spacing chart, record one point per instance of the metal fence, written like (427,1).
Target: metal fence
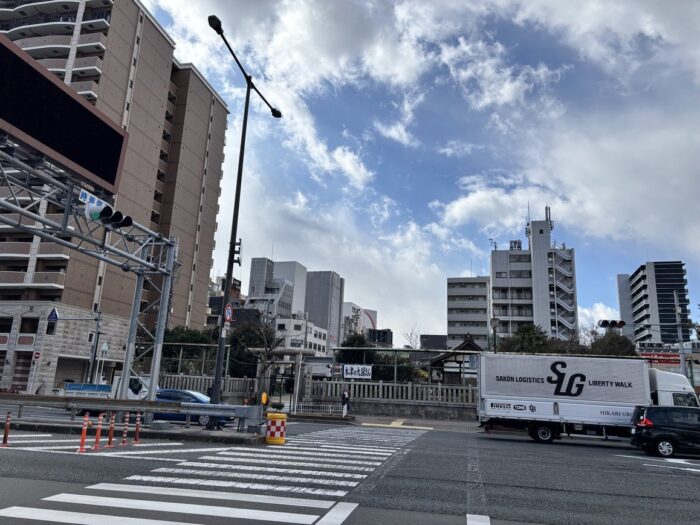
(230,385)
(319,409)
(381,391)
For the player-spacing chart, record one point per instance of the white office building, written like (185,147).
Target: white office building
(468,310)
(300,333)
(357,320)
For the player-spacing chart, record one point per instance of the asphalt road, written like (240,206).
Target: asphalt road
(352,476)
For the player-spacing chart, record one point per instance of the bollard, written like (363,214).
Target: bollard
(126,428)
(276,428)
(110,435)
(6,434)
(83,434)
(98,432)
(137,430)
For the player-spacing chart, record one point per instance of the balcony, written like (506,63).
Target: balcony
(88,89)
(87,66)
(51,250)
(24,8)
(168,127)
(11,279)
(169,109)
(156,207)
(10,250)
(96,19)
(49,279)
(164,146)
(162,166)
(41,25)
(54,64)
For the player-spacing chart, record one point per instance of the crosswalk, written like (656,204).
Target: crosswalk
(301,482)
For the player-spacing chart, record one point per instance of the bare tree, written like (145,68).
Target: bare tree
(413,337)
(261,339)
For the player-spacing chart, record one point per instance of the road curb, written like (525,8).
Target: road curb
(350,420)
(146,433)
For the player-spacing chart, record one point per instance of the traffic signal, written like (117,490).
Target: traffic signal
(611,324)
(102,212)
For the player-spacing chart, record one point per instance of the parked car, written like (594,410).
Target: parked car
(184,396)
(665,431)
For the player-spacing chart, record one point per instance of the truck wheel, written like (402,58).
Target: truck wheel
(542,433)
(664,447)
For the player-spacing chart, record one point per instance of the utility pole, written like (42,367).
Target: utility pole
(95,343)
(679,328)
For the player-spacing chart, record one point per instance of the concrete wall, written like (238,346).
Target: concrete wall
(411,409)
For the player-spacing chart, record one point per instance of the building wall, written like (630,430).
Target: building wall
(324,303)
(295,273)
(467,310)
(625,302)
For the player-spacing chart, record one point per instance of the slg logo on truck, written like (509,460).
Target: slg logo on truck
(574,386)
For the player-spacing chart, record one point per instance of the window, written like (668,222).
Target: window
(297,327)
(91,337)
(501,275)
(519,257)
(684,400)
(99,280)
(281,326)
(5,325)
(520,274)
(29,325)
(51,328)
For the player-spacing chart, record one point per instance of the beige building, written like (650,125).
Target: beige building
(115,55)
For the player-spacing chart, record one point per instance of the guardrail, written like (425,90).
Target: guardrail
(76,404)
(319,409)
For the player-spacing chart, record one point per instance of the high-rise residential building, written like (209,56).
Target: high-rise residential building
(535,285)
(468,310)
(654,303)
(357,320)
(119,59)
(271,296)
(324,303)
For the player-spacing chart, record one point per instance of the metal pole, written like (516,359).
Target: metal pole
(221,343)
(162,320)
(395,376)
(679,329)
(131,339)
(96,342)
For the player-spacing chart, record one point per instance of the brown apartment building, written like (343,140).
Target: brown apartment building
(116,56)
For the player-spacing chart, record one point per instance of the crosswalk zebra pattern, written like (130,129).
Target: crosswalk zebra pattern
(302,482)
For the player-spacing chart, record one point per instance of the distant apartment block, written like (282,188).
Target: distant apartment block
(297,332)
(535,285)
(294,273)
(324,303)
(653,301)
(119,59)
(468,310)
(273,297)
(357,320)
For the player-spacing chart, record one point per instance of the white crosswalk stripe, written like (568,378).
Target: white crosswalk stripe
(300,482)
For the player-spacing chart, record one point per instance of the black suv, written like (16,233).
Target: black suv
(666,430)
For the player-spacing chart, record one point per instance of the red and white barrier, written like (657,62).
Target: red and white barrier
(98,432)
(126,429)
(110,434)
(137,430)
(83,434)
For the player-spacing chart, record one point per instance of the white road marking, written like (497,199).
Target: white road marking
(396,425)
(240,485)
(338,514)
(185,508)
(23,441)
(164,444)
(331,446)
(144,452)
(478,519)
(89,454)
(688,469)
(267,455)
(665,460)
(303,452)
(339,451)
(265,460)
(31,435)
(209,494)
(253,468)
(80,518)
(264,477)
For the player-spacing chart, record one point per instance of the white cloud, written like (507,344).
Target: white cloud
(456,148)
(588,317)
(352,167)
(398,131)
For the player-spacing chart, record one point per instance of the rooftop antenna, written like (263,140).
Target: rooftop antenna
(493,243)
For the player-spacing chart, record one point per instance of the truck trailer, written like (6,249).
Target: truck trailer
(552,395)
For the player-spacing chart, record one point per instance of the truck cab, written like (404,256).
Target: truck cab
(669,389)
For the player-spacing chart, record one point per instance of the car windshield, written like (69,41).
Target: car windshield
(685,400)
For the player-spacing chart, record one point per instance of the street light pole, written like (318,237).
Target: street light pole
(215,24)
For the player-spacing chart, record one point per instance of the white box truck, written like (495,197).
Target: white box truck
(551,395)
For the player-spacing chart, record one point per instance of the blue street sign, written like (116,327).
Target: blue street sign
(53,316)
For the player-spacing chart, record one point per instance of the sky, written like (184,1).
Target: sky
(413,132)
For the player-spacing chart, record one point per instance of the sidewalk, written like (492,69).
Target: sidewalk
(445,425)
